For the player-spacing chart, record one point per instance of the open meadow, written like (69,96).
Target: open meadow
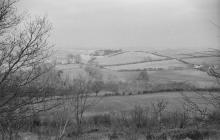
(125,103)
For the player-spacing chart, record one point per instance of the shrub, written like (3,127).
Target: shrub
(104,120)
(214,116)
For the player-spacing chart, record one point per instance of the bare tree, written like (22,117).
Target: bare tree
(79,91)
(62,118)
(158,108)
(23,50)
(8,16)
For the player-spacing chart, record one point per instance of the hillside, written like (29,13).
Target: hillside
(163,64)
(127,65)
(128,57)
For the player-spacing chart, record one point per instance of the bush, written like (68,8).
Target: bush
(175,120)
(104,120)
(214,116)
(171,86)
(139,117)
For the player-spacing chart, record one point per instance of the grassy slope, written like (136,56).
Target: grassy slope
(204,60)
(126,103)
(123,103)
(198,78)
(165,64)
(195,77)
(127,57)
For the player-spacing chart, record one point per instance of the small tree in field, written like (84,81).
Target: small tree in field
(93,72)
(97,86)
(143,76)
(96,78)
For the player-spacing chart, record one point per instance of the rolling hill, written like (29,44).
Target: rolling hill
(161,67)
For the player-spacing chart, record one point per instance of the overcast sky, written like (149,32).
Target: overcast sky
(130,24)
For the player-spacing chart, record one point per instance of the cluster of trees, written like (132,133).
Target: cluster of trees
(73,58)
(26,78)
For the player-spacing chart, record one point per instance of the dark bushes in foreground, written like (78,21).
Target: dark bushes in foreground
(156,123)
(152,123)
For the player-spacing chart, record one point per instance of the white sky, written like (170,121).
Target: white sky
(130,24)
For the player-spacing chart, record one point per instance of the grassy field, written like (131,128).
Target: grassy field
(141,116)
(125,103)
(204,60)
(128,57)
(183,53)
(113,73)
(195,77)
(198,78)
(117,104)
(165,64)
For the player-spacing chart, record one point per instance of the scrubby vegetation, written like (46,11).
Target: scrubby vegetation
(153,122)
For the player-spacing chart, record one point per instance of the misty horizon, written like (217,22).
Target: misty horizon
(130,25)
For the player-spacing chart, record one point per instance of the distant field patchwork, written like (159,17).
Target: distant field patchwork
(165,64)
(126,66)
(204,60)
(128,57)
